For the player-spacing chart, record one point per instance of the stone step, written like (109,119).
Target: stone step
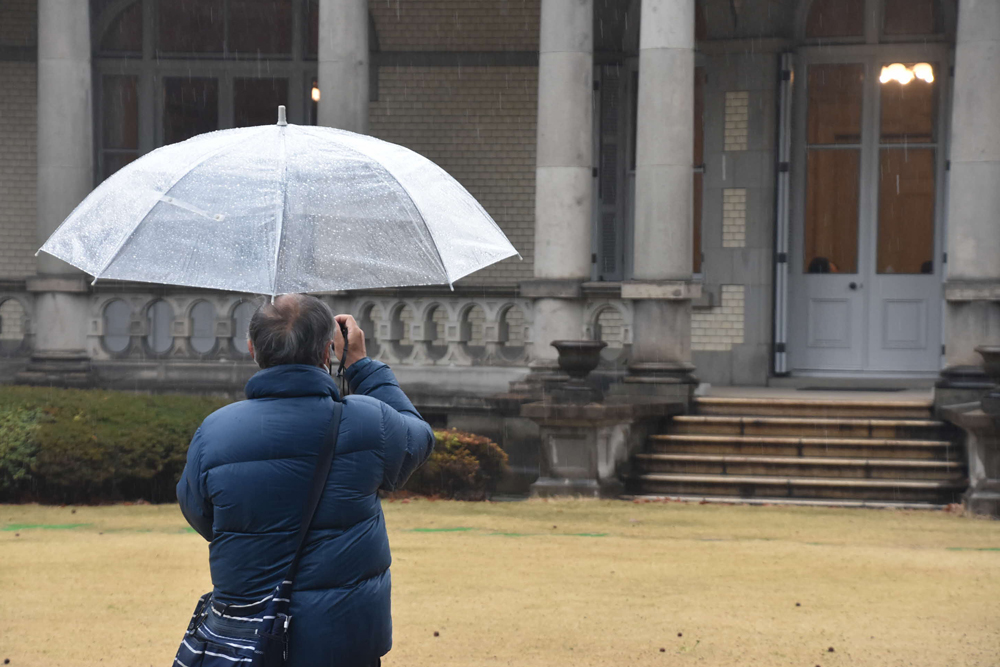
(795,407)
(805,466)
(880,448)
(792,502)
(769,486)
(921,429)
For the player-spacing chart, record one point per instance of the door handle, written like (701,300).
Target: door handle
(853,286)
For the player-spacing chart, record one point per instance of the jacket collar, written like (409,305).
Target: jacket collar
(290,381)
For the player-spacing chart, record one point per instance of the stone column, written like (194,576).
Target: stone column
(343,64)
(973,283)
(65,177)
(563,178)
(661,284)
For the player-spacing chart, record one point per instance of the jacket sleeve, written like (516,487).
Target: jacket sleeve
(191,492)
(407,439)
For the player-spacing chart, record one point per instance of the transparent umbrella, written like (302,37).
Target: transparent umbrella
(278,209)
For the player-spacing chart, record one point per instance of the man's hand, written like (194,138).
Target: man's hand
(355,340)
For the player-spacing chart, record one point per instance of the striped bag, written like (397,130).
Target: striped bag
(256,634)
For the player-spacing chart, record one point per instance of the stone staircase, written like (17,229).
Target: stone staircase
(802,451)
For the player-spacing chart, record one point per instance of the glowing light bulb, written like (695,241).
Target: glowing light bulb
(315,94)
(924,72)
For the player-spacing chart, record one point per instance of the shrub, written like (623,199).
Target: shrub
(463,466)
(69,445)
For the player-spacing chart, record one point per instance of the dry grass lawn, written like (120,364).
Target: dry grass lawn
(547,584)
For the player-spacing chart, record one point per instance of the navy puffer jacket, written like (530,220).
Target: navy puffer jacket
(244,489)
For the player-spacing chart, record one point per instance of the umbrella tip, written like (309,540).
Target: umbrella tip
(281,115)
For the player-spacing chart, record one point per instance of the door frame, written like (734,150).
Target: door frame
(869,55)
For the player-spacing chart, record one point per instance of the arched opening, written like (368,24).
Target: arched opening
(202,338)
(371,317)
(159,316)
(435,321)
(117,320)
(242,313)
(512,327)
(473,321)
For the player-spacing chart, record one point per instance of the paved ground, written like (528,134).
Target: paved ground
(548,583)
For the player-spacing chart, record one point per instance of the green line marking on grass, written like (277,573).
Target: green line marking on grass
(513,534)
(189,529)
(440,530)
(588,534)
(45,526)
(973,548)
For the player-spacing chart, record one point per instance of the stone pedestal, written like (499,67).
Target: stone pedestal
(982,442)
(586,448)
(960,384)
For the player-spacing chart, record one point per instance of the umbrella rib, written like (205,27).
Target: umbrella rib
(280,222)
(173,182)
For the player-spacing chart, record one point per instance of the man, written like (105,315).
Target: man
(249,468)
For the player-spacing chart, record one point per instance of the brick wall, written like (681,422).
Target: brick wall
(478,123)
(456,25)
(18,19)
(17,169)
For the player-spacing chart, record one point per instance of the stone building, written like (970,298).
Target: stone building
(741,190)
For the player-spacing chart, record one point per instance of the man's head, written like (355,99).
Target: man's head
(294,329)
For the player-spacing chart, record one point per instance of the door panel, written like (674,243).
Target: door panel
(828,323)
(831,323)
(904,292)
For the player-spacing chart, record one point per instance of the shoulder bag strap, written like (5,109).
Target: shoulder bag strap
(318,483)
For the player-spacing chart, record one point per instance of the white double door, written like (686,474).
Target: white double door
(866,245)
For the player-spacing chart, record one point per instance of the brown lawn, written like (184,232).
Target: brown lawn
(547,583)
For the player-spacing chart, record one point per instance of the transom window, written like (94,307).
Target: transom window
(890,20)
(167,70)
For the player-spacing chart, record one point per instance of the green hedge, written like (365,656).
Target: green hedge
(71,446)
(79,446)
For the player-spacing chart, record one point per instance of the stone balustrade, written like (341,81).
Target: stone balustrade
(409,328)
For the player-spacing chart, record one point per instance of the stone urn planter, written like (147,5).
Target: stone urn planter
(991,357)
(578,358)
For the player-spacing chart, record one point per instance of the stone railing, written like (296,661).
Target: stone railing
(433,328)
(164,327)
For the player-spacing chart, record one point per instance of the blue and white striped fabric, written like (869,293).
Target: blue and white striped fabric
(255,635)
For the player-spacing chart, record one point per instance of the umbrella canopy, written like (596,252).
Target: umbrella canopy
(278,209)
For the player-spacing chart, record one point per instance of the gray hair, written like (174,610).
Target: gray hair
(293,329)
